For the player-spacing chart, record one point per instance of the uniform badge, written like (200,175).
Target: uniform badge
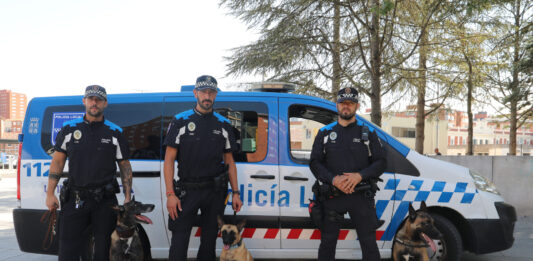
(333,136)
(191,126)
(77,134)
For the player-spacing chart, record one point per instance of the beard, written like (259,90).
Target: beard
(347,116)
(206,106)
(97,114)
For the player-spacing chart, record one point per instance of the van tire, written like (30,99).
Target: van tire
(451,243)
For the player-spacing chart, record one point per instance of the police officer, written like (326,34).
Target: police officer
(202,142)
(93,145)
(340,158)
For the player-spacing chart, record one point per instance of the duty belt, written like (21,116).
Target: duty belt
(197,185)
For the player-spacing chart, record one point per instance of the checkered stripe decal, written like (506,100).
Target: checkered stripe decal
(416,193)
(400,192)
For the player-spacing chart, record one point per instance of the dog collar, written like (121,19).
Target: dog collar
(125,233)
(410,245)
(236,245)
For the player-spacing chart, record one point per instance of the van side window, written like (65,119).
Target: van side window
(250,126)
(141,125)
(304,123)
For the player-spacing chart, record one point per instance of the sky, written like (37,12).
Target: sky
(58,47)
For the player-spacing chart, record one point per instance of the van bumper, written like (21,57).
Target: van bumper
(492,235)
(30,231)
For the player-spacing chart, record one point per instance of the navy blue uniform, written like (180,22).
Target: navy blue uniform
(92,148)
(201,141)
(338,150)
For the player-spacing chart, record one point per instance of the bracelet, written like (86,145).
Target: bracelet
(170,193)
(236,192)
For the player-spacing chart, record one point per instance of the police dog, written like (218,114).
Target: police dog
(234,249)
(414,237)
(125,241)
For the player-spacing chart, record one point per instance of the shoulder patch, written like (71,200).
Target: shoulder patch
(72,123)
(221,118)
(328,127)
(112,126)
(184,115)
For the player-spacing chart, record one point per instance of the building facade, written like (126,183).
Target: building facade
(12,105)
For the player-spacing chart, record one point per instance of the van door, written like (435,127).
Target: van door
(254,127)
(300,121)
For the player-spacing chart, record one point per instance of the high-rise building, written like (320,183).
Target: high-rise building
(12,105)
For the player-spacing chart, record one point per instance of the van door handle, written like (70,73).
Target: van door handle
(262,176)
(295,178)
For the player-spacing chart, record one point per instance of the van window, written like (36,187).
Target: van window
(248,119)
(304,123)
(141,126)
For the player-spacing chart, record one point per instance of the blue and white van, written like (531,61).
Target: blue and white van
(275,132)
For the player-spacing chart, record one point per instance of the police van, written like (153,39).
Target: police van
(275,132)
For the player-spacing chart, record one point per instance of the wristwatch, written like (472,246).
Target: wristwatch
(236,192)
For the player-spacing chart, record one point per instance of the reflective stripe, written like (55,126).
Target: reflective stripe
(119,152)
(225,134)
(67,139)
(181,132)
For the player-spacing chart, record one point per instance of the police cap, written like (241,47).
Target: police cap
(96,91)
(348,94)
(206,82)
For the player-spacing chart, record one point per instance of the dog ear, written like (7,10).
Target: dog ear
(220,221)
(241,224)
(422,206)
(412,212)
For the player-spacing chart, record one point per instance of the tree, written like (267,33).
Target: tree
(513,22)
(325,45)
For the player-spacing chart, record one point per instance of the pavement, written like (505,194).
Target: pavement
(522,249)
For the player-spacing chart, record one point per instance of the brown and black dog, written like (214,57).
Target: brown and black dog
(234,249)
(125,241)
(415,236)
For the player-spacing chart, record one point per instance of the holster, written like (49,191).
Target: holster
(64,193)
(221,181)
(179,190)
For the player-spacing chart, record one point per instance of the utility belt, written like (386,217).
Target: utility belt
(323,191)
(82,194)
(218,183)
(326,191)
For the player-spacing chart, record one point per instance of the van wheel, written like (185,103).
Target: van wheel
(450,245)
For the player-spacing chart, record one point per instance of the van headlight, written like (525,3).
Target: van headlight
(483,183)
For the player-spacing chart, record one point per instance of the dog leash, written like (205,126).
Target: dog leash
(51,215)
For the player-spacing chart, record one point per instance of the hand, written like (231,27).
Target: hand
(353,179)
(236,202)
(52,202)
(340,182)
(172,203)
(126,200)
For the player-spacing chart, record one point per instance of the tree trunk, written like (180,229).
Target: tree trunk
(375,63)
(336,79)
(515,96)
(470,144)
(421,88)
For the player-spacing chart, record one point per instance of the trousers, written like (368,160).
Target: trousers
(211,204)
(362,214)
(76,225)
